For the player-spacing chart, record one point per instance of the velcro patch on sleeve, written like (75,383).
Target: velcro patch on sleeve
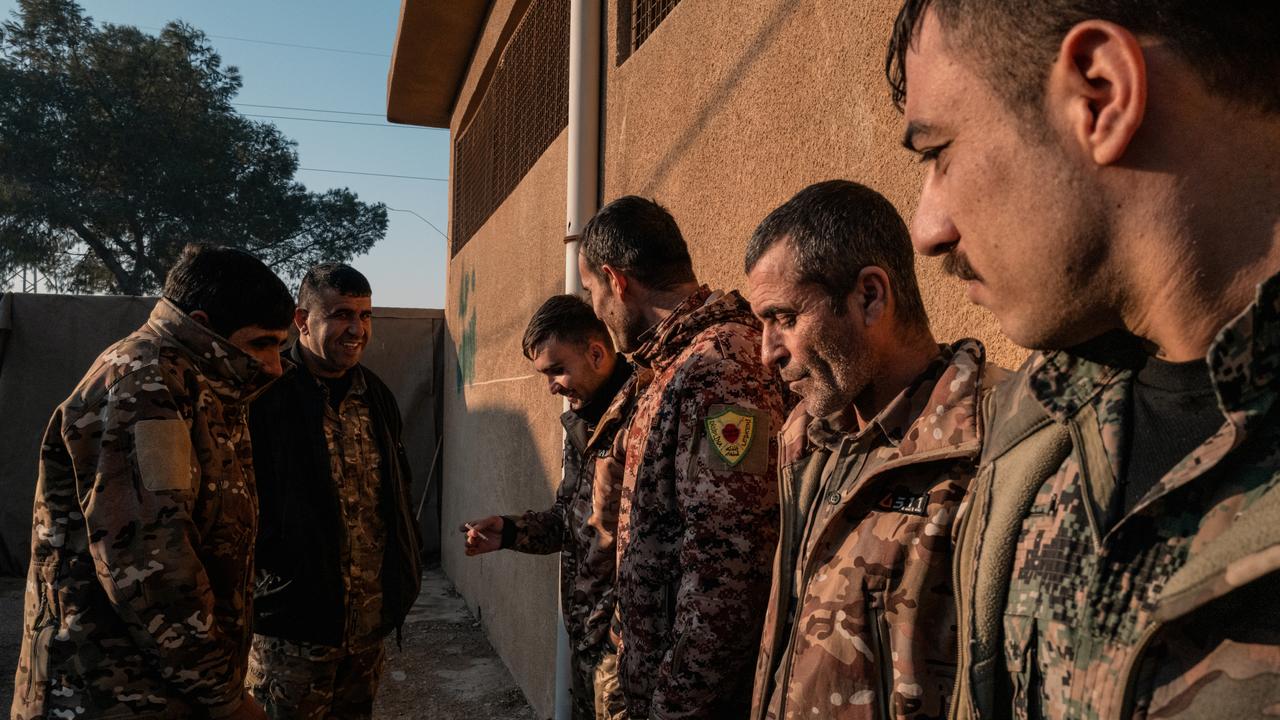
(163,450)
(736,438)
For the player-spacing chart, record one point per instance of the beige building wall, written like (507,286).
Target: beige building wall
(725,111)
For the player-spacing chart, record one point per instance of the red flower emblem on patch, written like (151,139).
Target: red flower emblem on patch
(730,432)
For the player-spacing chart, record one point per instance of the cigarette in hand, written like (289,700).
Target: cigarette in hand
(473,529)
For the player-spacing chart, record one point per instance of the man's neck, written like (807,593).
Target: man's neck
(312,361)
(894,373)
(1198,255)
(657,305)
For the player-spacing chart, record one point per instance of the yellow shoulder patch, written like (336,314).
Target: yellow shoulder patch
(731,433)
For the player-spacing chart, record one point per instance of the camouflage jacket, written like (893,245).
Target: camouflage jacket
(698,519)
(139,591)
(861,621)
(1070,608)
(582,524)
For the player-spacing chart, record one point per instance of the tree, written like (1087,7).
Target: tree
(118,147)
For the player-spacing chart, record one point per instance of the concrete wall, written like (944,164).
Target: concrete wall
(723,113)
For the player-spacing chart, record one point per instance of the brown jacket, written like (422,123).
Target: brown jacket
(861,620)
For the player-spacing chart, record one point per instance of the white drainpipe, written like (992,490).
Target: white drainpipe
(581,199)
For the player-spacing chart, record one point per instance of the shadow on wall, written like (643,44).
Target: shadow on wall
(493,466)
(716,101)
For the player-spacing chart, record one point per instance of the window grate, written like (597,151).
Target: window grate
(524,109)
(639,18)
(645,18)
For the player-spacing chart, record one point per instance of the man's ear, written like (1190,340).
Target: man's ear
(201,317)
(300,320)
(871,294)
(1098,86)
(597,353)
(618,282)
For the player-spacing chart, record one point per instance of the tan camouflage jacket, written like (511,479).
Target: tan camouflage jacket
(1070,610)
(698,522)
(861,621)
(139,589)
(582,524)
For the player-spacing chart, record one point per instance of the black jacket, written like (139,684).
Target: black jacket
(299,593)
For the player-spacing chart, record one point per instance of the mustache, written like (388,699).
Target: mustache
(955,263)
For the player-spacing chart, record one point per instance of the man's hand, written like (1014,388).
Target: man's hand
(483,535)
(249,709)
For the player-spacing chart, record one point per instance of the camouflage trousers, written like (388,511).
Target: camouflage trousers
(594,689)
(299,681)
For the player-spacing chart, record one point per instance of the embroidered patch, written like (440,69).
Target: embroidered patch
(164,454)
(731,433)
(906,503)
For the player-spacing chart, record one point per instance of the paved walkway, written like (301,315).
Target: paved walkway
(446,668)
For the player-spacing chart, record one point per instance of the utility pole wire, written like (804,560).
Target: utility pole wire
(433,225)
(285,44)
(303,109)
(340,122)
(374,174)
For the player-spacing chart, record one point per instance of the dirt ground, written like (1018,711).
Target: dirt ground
(445,670)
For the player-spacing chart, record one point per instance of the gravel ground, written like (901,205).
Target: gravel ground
(446,668)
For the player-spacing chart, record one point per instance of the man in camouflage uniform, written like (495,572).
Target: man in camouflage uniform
(338,545)
(874,464)
(138,593)
(698,519)
(569,346)
(1104,176)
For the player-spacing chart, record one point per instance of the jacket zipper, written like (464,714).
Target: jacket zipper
(884,661)
(1127,701)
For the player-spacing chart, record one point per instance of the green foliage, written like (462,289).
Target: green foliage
(118,147)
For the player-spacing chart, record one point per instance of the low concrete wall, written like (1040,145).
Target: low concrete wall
(47,342)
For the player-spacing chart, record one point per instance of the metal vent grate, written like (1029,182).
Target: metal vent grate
(646,15)
(524,109)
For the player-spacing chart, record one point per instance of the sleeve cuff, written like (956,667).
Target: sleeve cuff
(508,533)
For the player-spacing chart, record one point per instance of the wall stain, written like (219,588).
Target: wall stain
(467,321)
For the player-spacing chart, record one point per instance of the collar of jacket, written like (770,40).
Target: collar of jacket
(1243,360)
(703,308)
(936,415)
(232,373)
(584,425)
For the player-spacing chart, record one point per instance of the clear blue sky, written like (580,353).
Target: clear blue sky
(407,269)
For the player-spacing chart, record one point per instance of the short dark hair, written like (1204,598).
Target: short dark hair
(235,289)
(1231,44)
(566,319)
(340,277)
(835,229)
(639,237)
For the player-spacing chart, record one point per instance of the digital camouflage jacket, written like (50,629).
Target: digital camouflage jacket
(1070,608)
(861,621)
(699,520)
(582,524)
(139,591)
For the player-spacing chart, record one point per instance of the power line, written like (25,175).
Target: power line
(433,225)
(285,44)
(339,122)
(286,107)
(374,174)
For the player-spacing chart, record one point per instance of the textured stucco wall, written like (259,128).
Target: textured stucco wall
(727,110)
(502,434)
(730,108)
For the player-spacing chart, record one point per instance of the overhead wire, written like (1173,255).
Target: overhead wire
(374,174)
(285,44)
